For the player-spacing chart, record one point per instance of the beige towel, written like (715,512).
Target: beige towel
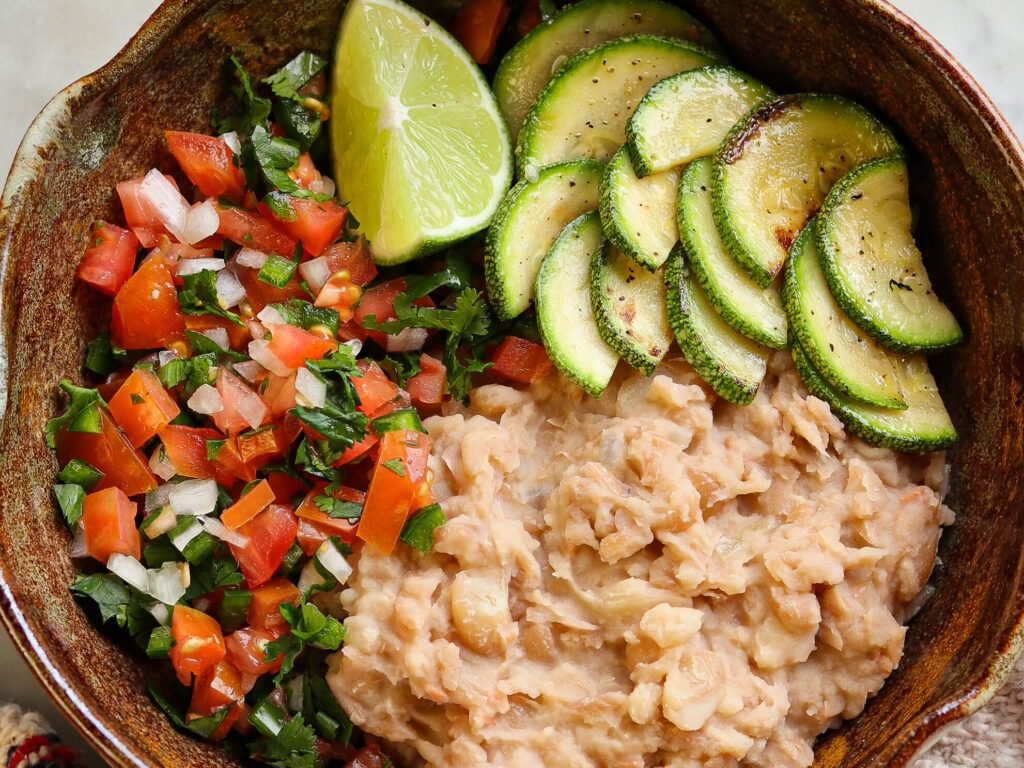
(991,738)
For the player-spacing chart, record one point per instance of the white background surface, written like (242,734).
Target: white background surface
(46,44)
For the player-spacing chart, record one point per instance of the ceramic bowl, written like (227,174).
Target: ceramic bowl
(967,171)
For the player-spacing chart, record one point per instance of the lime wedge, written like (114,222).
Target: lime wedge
(421,151)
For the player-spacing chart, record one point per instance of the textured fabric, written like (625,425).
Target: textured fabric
(991,738)
(27,741)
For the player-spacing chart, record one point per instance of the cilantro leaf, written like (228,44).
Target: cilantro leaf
(309,626)
(82,414)
(337,420)
(342,427)
(211,574)
(110,594)
(401,366)
(395,465)
(287,81)
(294,746)
(199,296)
(468,318)
(338,508)
(256,109)
(70,498)
(455,275)
(301,125)
(275,157)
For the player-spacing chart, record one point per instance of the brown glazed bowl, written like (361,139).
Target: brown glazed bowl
(967,171)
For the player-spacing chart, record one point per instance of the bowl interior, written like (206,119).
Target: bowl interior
(966,179)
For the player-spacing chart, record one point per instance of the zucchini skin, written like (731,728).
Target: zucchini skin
(497,245)
(856,308)
(732,150)
(858,420)
(690,240)
(615,334)
(802,329)
(725,384)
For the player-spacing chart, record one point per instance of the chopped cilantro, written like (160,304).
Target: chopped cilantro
(70,498)
(137,399)
(337,420)
(211,575)
(202,344)
(401,366)
(275,156)
(213,448)
(198,296)
(396,465)
(294,746)
(82,414)
(301,125)
(173,372)
(338,508)
(287,81)
(256,109)
(309,626)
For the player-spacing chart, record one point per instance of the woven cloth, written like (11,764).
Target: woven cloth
(990,738)
(27,741)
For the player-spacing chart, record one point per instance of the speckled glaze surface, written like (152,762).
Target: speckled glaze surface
(967,177)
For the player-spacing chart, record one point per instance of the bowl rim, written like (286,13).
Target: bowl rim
(30,161)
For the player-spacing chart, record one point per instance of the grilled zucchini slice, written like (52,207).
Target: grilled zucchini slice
(873,265)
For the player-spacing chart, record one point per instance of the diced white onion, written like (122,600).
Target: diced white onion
(327,186)
(202,222)
(164,198)
(408,340)
(333,561)
(130,570)
(206,400)
(193,497)
(217,529)
(356,345)
(316,272)
(162,523)
(252,409)
(231,139)
(309,577)
(258,351)
(168,583)
(230,290)
(161,465)
(270,316)
(309,390)
(218,336)
(160,613)
(255,328)
(250,257)
(158,497)
(248,370)
(181,539)
(195,266)
(78,548)
(164,356)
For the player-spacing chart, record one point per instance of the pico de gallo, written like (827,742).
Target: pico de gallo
(255,418)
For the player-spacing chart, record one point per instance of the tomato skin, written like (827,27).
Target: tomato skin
(218,688)
(271,534)
(520,360)
(141,217)
(305,173)
(258,446)
(279,394)
(316,225)
(142,407)
(238,335)
(235,395)
(198,643)
(209,164)
(477,26)
(392,495)
(427,387)
(246,228)
(356,450)
(379,301)
(261,294)
(285,487)
(264,610)
(109,522)
(373,387)
(294,346)
(185,448)
(248,506)
(246,651)
(107,263)
(308,512)
(111,453)
(355,258)
(146,313)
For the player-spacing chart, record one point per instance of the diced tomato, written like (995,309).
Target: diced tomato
(109,258)
(271,534)
(142,218)
(311,536)
(477,26)
(264,610)
(353,257)
(219,688)
(261,294)
(142,407)
(278,393)
(308,511)
(257,446)
(238,335)
(198,643)
(305,173)
(529,18)
(172,252)
(247,651)
(111,453)
(109,521)
(356,450)
(315,224)
(394,488)
(209,163)
(427,387)
(520,360)
(379,301)
(286,432)
(186,449)
(248,506)
(285,487)
(294,346)
(146,312)
(373,387)
(237,399)
(340,294)
(246,228)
